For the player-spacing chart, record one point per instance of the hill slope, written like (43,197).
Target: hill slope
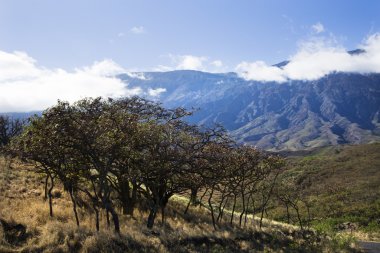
(341,184)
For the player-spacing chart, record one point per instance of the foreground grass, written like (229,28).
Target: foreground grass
(21,202)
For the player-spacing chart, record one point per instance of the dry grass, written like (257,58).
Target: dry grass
(21,201)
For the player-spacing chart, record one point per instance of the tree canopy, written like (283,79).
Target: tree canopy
(118,153)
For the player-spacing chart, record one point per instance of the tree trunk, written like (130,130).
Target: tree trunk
(162,215)
(298,215)
(74,206)
(201,198)
(222,205)
(253,211)
(96,218)
(193,196)
(233,211)
(115,217)
(192,200)
(108,219)
(246,212)
(220,209)
(211,208)
(225,203)
(187,206)
(287,212)
(152,216)
(243,211)
(46,187)
(164,202)
(241,216)
(133,201)
(51,196)
(262,216)
(127,199)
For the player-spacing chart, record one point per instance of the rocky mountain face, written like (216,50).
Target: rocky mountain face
(339,108)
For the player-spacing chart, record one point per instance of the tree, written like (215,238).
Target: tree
(9,128)
(288,194)
(243,174)
(165,161)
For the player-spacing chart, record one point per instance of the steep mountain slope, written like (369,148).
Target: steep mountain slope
(339,108)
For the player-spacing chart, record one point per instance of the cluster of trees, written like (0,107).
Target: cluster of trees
(119,153)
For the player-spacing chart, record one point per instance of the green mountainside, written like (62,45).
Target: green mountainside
(341,184)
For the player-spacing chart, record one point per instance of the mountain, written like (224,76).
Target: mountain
(21,115)
(336,109)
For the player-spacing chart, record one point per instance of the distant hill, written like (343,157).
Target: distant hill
(341,184)
(341,108)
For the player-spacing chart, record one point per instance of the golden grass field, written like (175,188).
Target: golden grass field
(22,202)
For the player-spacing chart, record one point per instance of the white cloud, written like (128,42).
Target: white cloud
(260,71)
(137,75)
(217,63)
(138,29)
(120,34)
(156,92)
(25,86)
(103,68)
(183,62)
(216,66)
(190,62)
(315,59)
(17,65)
(318,28)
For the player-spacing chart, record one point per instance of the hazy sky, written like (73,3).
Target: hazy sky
(143,34)
(68,49)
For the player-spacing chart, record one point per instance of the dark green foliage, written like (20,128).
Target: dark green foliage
(9,128)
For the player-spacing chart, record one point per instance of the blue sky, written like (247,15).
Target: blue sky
(70,34)
(68,49)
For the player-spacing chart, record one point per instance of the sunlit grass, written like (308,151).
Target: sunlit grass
(23,202)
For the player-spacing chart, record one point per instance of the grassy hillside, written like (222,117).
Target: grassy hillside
(341,184)
(21,202)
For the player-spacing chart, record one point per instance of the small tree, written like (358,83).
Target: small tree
(9,128)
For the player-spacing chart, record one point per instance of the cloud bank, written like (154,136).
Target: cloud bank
(315,59)
(25,86)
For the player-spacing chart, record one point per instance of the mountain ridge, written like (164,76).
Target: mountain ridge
(336,109)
